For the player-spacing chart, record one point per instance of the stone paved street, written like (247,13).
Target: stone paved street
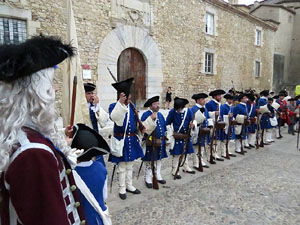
(262,187)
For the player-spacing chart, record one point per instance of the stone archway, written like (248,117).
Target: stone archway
(113,45)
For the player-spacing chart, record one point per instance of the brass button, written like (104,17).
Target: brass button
(82,222)
(77,204)
(68,171)
(73,187)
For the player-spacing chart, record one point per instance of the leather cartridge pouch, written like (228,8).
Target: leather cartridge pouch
(252,120)
(233,123)
(204,131)
(180,136)
(157,143)
(220,125)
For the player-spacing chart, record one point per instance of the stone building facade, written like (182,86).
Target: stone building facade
(191,45)
(286,13)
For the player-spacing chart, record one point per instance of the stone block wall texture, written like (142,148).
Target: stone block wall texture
(179,30)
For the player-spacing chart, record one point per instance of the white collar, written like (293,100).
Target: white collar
(85,163)
(228,104)
(199,106)
(243,103)
(263,97)
(216,101)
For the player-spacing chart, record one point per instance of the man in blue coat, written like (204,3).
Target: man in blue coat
(159,135)
(90,144)
(240,114)
(253,118)
(226,114)
(202,119)
(179,121)
(213,107)
(123,115)
(265,123)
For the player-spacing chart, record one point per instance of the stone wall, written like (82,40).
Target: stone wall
(178,28)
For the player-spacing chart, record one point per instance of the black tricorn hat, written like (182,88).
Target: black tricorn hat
(251,97)
(282,93)
(228,96)
(217,92)
(88,87)
(198,96)
(151,100)
(276,97)
(180,103)
(40,52)
(297,97)
(270,99)
(264,93)
(292,99)
(242,95)
(90,141)
(123,86)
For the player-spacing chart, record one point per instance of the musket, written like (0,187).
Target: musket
(199,151)
(73,102)
(138,175)
(298,129)
(182,157)
(214,134)
(243,128)
(257,131)
(141,126)
(154,179)
(112,177)
(228,136)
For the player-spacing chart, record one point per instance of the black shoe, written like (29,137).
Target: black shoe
(245,151)
(247,147)
(206,166)
(232,155)
(136,191)
(239,152)
(191,172)
(162,181)
(197,168)
(213,162)
(214,158)
(220,159)
(123,196)
(266,143)
(178,177)
(148,185)
(252,146)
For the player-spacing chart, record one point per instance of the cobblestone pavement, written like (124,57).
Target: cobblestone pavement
(262,187)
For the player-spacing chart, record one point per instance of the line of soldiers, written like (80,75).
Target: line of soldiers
(43,182)
(207,132)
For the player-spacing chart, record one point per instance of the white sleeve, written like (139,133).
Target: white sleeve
(96,108)
(118,113)
(105,190)
(102,117)
(150,125)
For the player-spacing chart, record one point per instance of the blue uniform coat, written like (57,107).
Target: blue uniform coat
(225,110)
(206,139)
(176,118)
(212,106)
(160,131)
(94,177)
(132,149)
(264,121)
(241,109)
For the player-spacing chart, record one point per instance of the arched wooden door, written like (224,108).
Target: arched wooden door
(131,63)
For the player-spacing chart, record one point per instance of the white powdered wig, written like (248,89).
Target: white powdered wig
(28,102)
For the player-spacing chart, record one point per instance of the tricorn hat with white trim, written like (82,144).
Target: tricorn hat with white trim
(90,141)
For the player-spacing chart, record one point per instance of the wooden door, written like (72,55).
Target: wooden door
(131,63)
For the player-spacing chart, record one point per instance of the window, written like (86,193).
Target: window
(12,31)
(258,37)
(209,26)
(209,62)
(257,69)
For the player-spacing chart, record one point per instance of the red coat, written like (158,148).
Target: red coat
(36,179)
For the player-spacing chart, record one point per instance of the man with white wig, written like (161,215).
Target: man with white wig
(37,185)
